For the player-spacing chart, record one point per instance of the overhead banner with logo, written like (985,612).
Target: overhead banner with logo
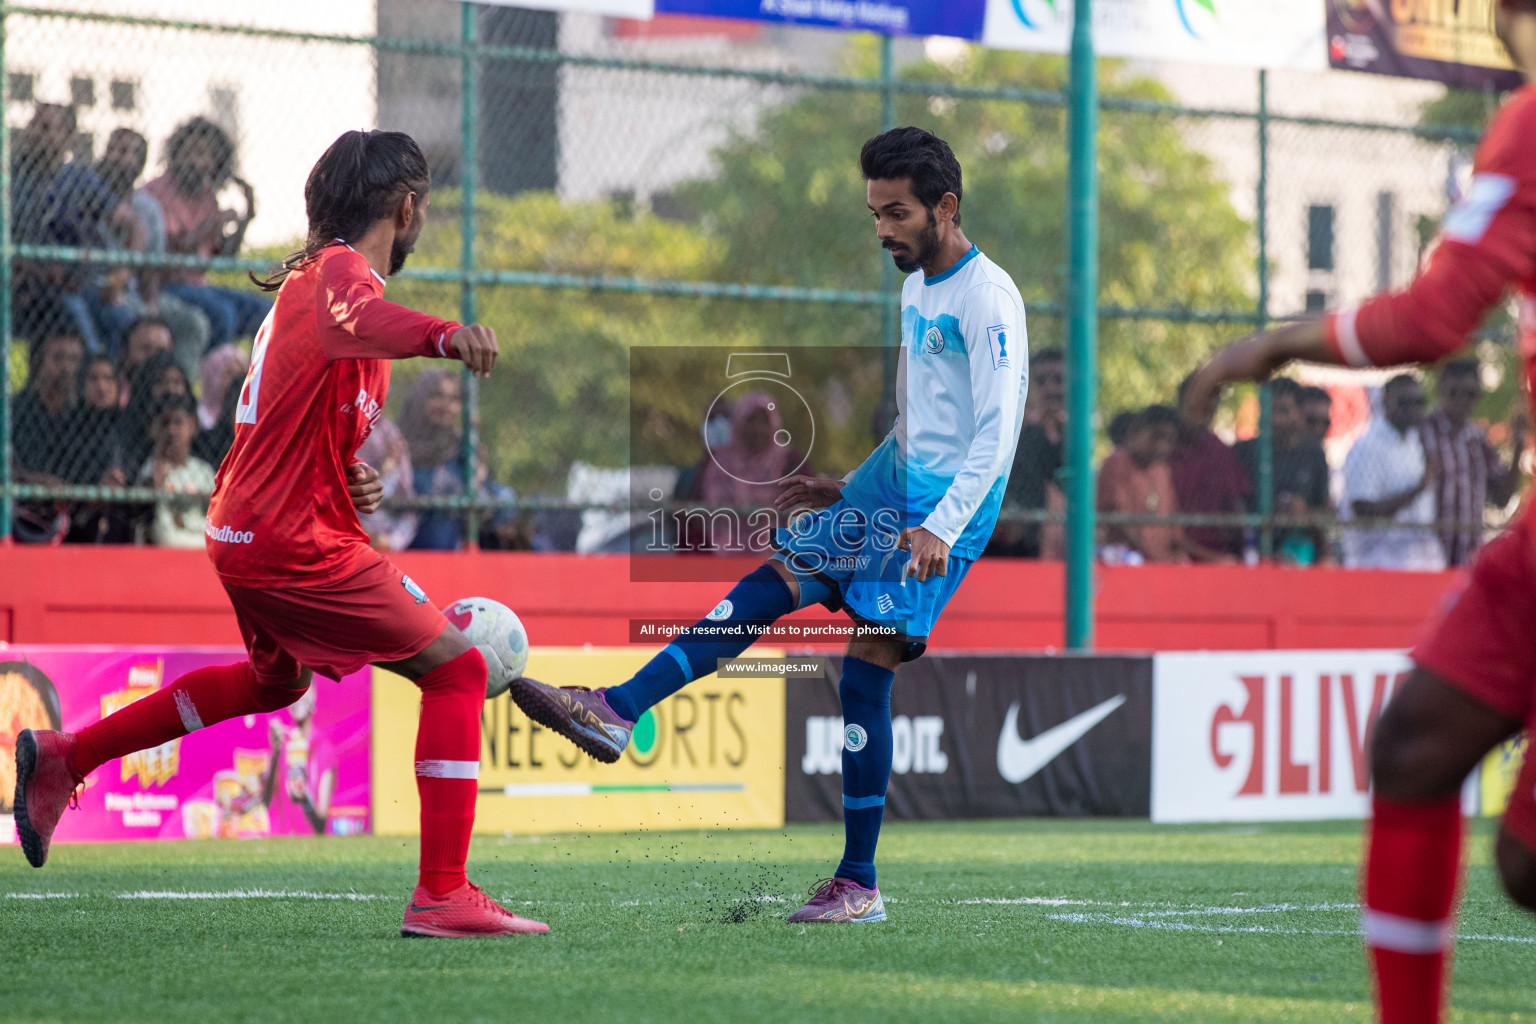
(961,18)
(300,771)
(1277,34)
(1450,43)
(986,737)
(711,756)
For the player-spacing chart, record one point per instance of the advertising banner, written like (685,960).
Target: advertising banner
(300,771)
(1267,735)
(1285,34)
(962,18)
(710,756)
(991,736)
(1450,43)
(643,9)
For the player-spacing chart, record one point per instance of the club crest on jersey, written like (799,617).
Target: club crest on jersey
(722,611)
(412,589)
(855,738)
(933,341)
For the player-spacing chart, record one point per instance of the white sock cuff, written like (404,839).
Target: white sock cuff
(1405,934)
(438,769)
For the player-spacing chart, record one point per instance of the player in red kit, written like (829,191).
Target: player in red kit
(309,593)
(1474,681)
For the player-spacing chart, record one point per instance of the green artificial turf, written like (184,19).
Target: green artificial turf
(1028,920)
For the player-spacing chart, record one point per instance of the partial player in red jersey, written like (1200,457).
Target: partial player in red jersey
(1474,681)
(309,593)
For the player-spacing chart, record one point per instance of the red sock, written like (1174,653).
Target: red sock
(448,767)
(201,697)
(1411,874)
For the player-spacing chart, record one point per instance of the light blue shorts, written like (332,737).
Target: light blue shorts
(854,556)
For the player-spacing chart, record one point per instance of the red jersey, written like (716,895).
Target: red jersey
(319,375)
(1487,243)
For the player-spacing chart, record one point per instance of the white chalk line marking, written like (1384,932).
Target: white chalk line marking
(248,894)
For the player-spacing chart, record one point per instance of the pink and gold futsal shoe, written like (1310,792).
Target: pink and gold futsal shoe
(841,900)
(45,787)
(465,913)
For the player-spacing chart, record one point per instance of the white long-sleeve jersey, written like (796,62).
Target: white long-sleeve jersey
(960,384)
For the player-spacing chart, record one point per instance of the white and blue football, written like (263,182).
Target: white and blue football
(497,634)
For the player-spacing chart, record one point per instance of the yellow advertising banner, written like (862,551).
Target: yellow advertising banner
(710,756)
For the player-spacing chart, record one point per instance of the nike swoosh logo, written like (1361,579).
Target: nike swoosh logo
(1018,759)
(417,908)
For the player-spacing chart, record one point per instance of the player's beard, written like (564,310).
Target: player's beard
(403,245)
(927,248)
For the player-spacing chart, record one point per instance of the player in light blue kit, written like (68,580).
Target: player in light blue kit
(890,543)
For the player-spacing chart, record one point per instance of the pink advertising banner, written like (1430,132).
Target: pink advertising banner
(300,771)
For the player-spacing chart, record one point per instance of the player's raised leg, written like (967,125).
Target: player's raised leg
(50,765)
(600,721)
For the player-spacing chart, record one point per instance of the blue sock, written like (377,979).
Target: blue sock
(865,691)
(760,599)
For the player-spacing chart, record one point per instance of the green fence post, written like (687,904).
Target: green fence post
(469,171)
(6,501)
(890,325)
(1266,438)
(1082,325)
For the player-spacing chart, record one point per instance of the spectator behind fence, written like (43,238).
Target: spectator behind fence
(1298,475)
(431,421)
(42,417)
(223,377)
(145,337)
(1208,479)
(1387,476)
(1120,427)
(1469,473)
(182,480)
(200,159)
(98,458)
(747,473)
(160,375)
(1135,480)
(387,451)
(37,156)
(1037,458)
(1317,412)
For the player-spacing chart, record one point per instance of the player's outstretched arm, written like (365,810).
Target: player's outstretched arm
(355,322)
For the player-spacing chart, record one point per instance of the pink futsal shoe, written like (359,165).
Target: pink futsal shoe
(577,713)
(45,786)
(841,900)
(465,913)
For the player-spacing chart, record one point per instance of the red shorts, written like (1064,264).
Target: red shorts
(1483,642)
(378,614)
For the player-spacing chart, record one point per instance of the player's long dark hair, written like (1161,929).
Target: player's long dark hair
(357,181)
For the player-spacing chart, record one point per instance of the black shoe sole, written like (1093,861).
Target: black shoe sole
(539,707)
(26,760)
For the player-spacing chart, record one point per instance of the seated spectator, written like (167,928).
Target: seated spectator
(1037,458)
(43,419)
(747,473)
(98,459)
(431,422)
(387,451)
(1470,474)
(223,376)
(200,159)
(146,336)
(38,154)
(1317,412)
(1298,475)
(1120,427)
(160,375)
(1135,480)
(182,480)
(1387,476)
(1208,479)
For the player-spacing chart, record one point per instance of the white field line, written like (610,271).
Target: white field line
(42,895)
(248,894)
(1162,924)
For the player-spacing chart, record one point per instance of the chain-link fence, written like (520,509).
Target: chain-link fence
(601,185)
